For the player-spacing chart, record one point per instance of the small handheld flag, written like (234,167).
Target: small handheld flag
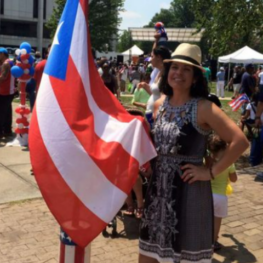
(235,104)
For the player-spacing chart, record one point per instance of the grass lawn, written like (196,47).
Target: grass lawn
(212,86)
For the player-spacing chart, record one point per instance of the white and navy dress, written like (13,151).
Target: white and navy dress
(177,225)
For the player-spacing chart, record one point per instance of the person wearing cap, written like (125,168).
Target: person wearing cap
(248,84)
(177,222)
(7,90)
(220,83)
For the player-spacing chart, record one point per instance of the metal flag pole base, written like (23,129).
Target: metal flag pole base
(21,140)
(70,252)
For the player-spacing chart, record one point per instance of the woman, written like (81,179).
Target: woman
(177,224)
(158,55)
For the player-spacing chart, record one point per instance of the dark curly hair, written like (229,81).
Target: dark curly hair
(162,51)
(199,89)
(215,143)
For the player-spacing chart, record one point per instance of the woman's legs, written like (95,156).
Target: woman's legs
(144,259)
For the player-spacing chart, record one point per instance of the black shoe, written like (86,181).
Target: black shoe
(217,246)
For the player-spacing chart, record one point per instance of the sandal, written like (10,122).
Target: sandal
(129,211)
(139,212)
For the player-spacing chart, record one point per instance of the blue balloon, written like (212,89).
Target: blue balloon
(31,71)
(31,60)
(26,46)
(17,72)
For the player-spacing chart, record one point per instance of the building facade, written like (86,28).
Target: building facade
(24,20)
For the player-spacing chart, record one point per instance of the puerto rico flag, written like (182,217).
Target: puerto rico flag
(85,148)
(235,104)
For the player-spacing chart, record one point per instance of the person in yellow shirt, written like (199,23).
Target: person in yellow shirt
(220,185)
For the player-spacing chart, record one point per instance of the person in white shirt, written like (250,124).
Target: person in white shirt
(158,55)
(124,76)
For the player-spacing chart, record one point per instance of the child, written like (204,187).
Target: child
(160,34)
(248,119)
(217,148)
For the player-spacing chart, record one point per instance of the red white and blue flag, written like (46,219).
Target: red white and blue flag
(235,104)
(85,148)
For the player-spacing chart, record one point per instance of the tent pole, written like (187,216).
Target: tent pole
(228,75)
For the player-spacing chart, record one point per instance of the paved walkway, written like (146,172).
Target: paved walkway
(29,233)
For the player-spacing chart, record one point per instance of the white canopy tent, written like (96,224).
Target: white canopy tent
(243,55)
(134,51)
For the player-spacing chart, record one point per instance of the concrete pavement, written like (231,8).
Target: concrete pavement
(29,233)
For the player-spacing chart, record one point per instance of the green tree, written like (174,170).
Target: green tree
(125,41)
(178,15)
(166,16)
(230,25)
(103,20)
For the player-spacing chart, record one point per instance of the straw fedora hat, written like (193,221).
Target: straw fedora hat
(187,54)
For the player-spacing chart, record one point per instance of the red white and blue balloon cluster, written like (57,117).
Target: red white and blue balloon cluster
(23,71)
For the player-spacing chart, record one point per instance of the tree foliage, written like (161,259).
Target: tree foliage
(178,15)
(125,41)
(230,25)
(103,20)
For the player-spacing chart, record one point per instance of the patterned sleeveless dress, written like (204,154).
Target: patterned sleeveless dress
(177,225)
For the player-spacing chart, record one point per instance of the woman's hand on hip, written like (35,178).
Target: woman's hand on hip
(192,173)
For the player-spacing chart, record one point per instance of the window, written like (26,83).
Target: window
(2,6)
(35,8)
(45,9)
(15,28)
(46,32)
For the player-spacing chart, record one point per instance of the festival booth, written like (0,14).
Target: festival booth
(132,54)
(243,55)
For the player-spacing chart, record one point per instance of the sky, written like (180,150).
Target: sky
(139,12)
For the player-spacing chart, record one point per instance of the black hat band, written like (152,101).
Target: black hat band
(187,59)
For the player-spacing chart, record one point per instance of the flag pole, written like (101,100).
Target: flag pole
(70,252)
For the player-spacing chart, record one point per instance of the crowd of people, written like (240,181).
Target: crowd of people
(246,80)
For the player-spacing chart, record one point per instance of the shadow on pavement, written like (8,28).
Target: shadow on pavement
(5,140)
(235,253)
(25,149)
(131,226)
